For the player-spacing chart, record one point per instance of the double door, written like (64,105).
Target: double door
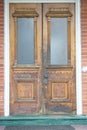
(42,59)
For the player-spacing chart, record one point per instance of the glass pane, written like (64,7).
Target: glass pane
(25,46)
(59,51)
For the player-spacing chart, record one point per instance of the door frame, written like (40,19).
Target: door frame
(7,52)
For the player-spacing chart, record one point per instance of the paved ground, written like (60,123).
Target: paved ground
(78,127)
(41,128)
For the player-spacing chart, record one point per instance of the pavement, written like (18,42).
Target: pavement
(59,127)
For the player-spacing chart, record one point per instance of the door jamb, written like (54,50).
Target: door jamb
(7,46)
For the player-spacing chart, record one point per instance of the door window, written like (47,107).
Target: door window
(58,40)
(25,41)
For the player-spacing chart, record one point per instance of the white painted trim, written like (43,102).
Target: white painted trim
(78,60)
(41,1)
(6,58)
(78,51)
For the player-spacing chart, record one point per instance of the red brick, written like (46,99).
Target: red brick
(1,57)
(84,52)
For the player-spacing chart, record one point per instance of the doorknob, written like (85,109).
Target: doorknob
(45,81)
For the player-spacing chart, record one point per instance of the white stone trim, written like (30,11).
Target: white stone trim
(78,59)
(6,59)
(6,51)
(41,1)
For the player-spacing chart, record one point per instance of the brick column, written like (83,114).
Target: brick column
(84,52)
(1,57)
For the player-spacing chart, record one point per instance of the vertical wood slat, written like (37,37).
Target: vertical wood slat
(15,35)
(49,40)
(69,40)
(35,40)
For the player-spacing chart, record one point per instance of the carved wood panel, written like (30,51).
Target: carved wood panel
(25,91)
(59,90)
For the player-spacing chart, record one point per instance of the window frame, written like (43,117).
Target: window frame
(25,14)
(59,13)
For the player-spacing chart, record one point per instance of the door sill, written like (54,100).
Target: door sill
(43,120)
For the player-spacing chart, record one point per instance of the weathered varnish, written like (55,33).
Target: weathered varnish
(42,88)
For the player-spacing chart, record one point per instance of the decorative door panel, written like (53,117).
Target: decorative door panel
(26,58)
(59,55)
(42,59)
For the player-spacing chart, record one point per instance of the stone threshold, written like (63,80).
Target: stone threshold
(42,120)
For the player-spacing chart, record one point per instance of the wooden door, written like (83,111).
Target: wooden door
(25,59)
(59,58)
(42,59)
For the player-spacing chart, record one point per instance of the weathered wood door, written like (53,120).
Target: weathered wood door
(42,59)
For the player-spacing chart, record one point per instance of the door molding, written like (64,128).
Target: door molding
(7,46)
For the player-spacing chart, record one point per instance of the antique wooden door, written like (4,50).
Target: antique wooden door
(42,59)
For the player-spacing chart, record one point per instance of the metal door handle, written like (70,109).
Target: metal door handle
(46,76)
(45,79)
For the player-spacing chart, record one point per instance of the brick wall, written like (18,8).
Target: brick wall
(1,57)
(84,52)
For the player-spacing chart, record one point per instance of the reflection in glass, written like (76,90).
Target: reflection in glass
(58,39)
(25,41)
